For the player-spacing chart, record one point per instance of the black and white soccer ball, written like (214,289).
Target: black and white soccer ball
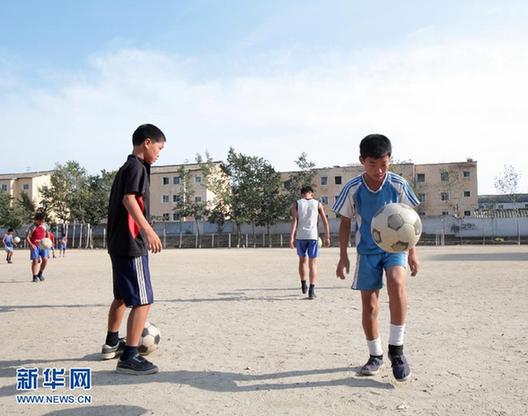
(150,339)
(396,228)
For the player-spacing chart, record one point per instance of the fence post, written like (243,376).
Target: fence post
(212,240)
(196,241)
(281,240)
(181,238)
(104,237)
(229,241)
(164,237)
(80,235)
(73,235)
(247,243)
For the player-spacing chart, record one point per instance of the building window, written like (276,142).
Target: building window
(198,179)
(467,193)
(175,216)
(197,199)
(166,217)
(4,187)
(175,198)
(324,200)
(526,205)
(25,187)
(444,176)
(500,206)
(165,199)
(420,177)
(445,212)
(176,180)
(467,213)
(44,188)
(421,213)
(165,180)
(324,180)
(421,197)
(338,180)
(444,196)
(466,174)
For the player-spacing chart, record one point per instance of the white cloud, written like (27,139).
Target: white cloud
(437,102)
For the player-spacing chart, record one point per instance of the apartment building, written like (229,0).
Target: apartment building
(31,183)
(443,188)
(166,185)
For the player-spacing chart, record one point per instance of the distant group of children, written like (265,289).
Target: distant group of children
(130,237)
(37,253)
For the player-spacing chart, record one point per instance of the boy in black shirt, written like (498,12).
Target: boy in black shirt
(130,236)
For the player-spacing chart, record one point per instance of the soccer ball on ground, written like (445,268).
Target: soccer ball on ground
(46,243)
(150,339)
(396,228)
(16,240)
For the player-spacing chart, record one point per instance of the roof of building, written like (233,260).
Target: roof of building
(25,175)
(483,199)
(501,213)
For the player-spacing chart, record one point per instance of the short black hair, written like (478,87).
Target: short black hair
(375,146)
(306,189)
(9,230)
(39,216)
(147,131)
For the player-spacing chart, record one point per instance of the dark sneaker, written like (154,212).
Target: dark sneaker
(35,279)
(400,367)
(136,365)
(372,366)
(41,277)
(303,287)
(108,351)
(311,293)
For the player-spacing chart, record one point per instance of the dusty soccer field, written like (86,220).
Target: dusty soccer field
(238,338)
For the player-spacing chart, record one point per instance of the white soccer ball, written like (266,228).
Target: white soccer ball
(396,228)
(16,240)
(150,339)
(46,243)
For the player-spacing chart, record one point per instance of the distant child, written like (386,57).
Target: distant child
(34,235)
(9,244)
(63,243)
(305,236)
(52,238)
(130,236)
(361,198)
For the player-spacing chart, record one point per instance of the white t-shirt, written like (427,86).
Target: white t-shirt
(307,213)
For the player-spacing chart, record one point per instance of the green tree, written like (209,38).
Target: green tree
(187,204)
(217,181)
(15,213)
(67,192)
(507,183)
(95,206)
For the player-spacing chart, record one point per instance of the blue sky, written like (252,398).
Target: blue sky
(445,80)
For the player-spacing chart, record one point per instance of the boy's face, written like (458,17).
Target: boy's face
(307,195)
(152,150)
(376,169)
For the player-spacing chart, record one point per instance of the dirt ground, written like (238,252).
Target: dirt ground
(239,338)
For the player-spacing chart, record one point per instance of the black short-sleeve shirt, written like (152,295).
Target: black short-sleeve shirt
(124,236)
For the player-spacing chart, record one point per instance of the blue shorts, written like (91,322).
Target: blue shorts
(310,247)
(131,276)
(369,269)
(38,252)
(61,246)
(9,249)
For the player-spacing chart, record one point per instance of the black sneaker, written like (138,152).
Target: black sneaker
(372,366)
(136,365)
(400,367)
(41,277)
(303,287)
(35,279)
(108,351)
(311,293)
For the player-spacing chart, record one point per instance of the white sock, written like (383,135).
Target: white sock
(396,334)
(374,346)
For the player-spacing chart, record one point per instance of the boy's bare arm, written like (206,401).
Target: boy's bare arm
(414,263)
(133,208)
(344,234)
(326,226)
(293,226)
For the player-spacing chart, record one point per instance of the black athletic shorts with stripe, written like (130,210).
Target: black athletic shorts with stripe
(131,277)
